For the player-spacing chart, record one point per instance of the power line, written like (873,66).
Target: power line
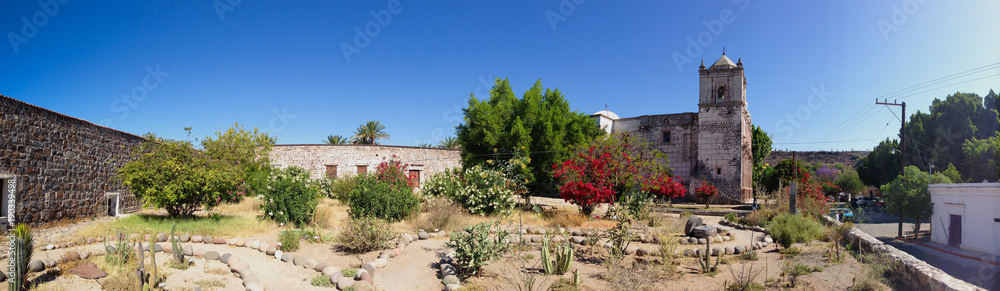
(816,142)
(941,79)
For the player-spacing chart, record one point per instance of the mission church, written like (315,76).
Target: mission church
(710,145)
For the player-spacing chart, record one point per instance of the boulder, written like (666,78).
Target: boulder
(212,255)
(200,253)
(298,260)
(254,286)
(310,264)
(287,257)
(344,282)
(729,250)
(270,250)
(207,240)
(36,266)
(739,250)
(380,263)
(704,231)
(239,242)
(330,270)
(370,267)
(451,279)
(188,250)
(423,235)
(161,237)
(366,277)
(693,221)
(225,258)
(195,238)
(88,270)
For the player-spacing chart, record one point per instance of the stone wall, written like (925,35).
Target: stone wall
(681,147)
(345,160)
(64,165)
(724,156)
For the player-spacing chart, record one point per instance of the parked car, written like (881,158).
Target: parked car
(865,201)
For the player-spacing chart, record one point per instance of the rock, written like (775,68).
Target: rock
(577,239)
(452,287)
(200,253)
(157,248)
(756,246)
(263,247)
(423,235)
(161,237)
(702,241)
(727,238)
(254,286)
(370,267)
(188,250)
(718,238)
(729,250)
(91,240)
(641,252)
(330,270)
(277,254)
(225,258)
(688,253)
(250,278)
(36,266)
(451,279)
(196,238)
(219,241)
(397,252)
(703,231)
(335,277)
(357,276)
(80,241)
(88,271)
(254,245)
(184,238)
(239,242)
(716,251)
(310,264)
(212,255)
(112,249)
(84,254)
(49,262)
(270,250)
(344,282)
(433,234)
(693,221)
(319,267)
(763,244)
(647,239)
(71,256)
(631,249)
(380,263)
(147,237)
(739,250)
(711,239)
(366,277)
(233,260)
(692,240)
(443,233)
(447,269)
(536,239)
(238,267)
(409,238)
(287,257)
(207,240)
(577,232)
(699,253)
(768,239)
(298,260)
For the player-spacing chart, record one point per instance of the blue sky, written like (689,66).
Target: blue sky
(281,66)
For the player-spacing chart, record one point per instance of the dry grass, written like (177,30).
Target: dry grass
(249,207)
(330,213)
(231,226)
(565,219)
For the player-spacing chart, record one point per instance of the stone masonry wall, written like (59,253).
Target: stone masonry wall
(682,147)
(722,149)
(64,165)
(346,159)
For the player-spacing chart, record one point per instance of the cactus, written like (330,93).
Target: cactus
(564,257)
(21,255)
(706,263)
(178,251)
(140,271)
(152,261)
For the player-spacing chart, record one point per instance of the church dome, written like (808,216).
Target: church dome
(606,113)
(724,63)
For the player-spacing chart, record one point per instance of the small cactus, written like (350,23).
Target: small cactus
(178,251)
(23,246)
(706,262)
(564,257)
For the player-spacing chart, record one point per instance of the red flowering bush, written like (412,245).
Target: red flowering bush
(706,193)
(393,173)
(386,194)
(830,189)
(810,200)
(665,186)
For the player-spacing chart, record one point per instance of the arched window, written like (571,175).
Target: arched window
(720,93)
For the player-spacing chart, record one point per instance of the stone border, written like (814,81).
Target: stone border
(914,272)
(702,212)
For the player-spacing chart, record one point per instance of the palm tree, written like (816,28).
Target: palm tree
(335,139)
(370,133)
(424,145)
(449,143)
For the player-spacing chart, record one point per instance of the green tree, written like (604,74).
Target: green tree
(336,139)
(370,133)
(981,155)
(782,174)
(541,124)
(908,193)
(938,136)
(761,148)
(849,182)
(244,150)
(881,165)
(449,143)
(952,173)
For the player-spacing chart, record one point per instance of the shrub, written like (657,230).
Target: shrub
(474,248)
(484,192)
(789,228)
(119,252)
(321,281)
(706,193)
(23,244)
(446,183)
(372,197)
(792,272)
(440,212)
(731,217)
(364,235)
(349,272)
(289,240)
(289,199)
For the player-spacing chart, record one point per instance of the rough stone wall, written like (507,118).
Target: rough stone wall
(682,147)
(64,165)
(348,158)
(720,149)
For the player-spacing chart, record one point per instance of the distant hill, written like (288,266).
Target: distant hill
(848,158)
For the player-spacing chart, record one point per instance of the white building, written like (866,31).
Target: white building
(967,216)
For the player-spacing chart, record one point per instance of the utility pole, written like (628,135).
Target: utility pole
(902,155)
(793,187)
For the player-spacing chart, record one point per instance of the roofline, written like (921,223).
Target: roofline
(364,145)
(70,117)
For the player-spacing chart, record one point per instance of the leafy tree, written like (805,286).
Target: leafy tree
(982,157)
(880,166)
(541,124)
(937,137)
(849,182)
(244,150)
(908,193)
(761,148)
(782,174)
(449,143)
(336,139)
(952,173)
(370,133)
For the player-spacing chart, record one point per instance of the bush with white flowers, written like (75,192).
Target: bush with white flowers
(484,191)
(289,197)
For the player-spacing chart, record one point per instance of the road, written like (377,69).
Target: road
(884,227)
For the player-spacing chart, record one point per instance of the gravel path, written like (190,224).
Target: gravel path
(415,269)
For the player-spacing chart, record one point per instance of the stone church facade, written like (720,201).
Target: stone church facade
(711,145)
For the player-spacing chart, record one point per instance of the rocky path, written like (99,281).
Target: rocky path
(415,269)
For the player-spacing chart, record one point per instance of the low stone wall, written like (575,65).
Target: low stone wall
(346,160)
(912,271)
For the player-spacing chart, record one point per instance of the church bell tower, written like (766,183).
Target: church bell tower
(725,159)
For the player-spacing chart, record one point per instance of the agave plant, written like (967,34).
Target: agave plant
(22,251)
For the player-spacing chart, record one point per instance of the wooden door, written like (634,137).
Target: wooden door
(415,178)
(955,231)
